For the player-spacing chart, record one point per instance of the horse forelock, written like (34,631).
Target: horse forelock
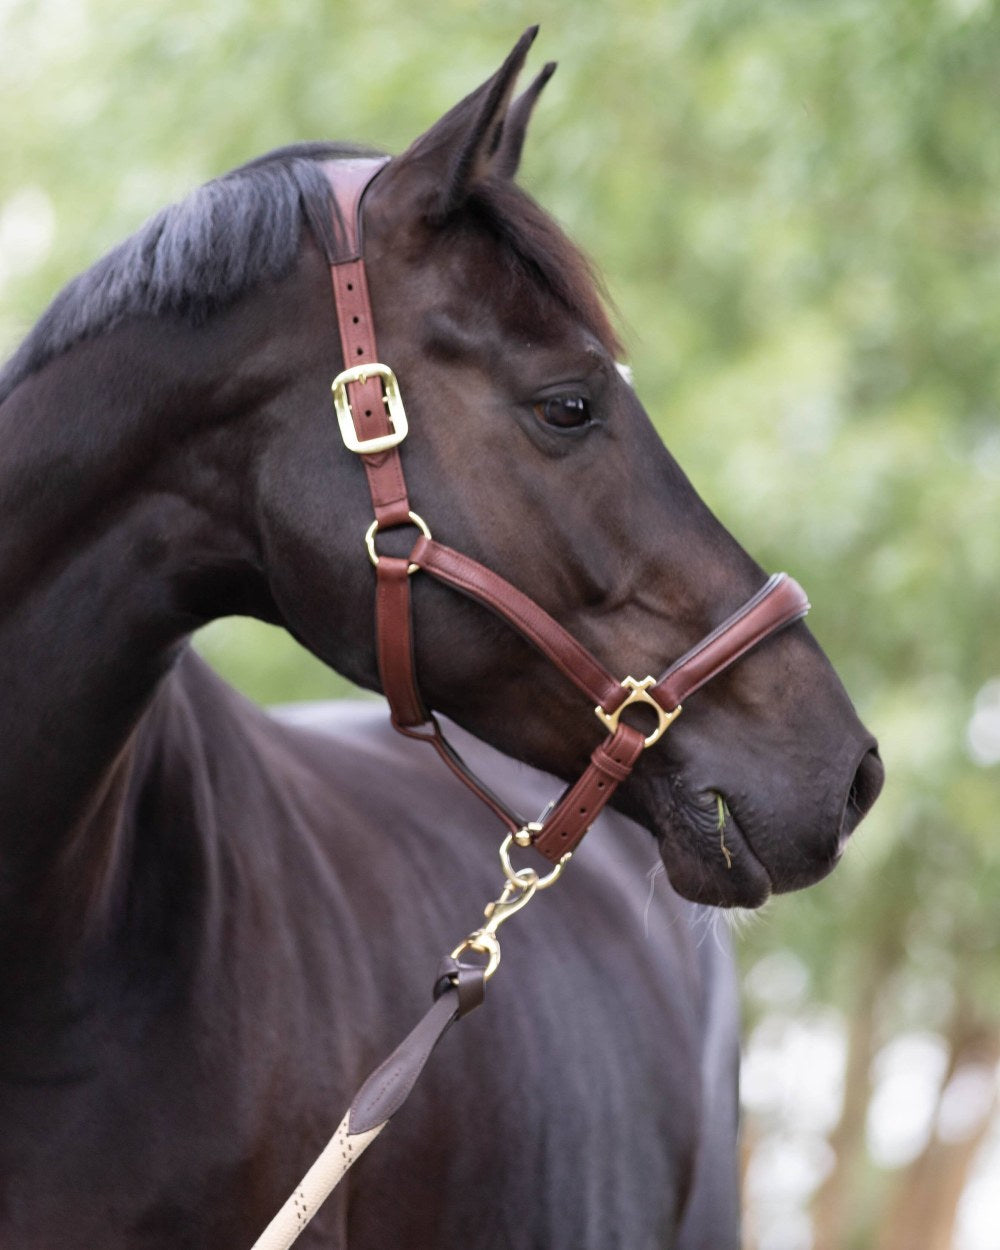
(536,246)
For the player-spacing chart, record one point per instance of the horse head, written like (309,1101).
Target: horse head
(530,451)
(202,474)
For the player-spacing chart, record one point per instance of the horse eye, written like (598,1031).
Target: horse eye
(564,411)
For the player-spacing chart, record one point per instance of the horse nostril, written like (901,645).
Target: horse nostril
(865,789)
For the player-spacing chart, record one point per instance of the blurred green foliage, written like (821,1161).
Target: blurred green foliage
(797,206)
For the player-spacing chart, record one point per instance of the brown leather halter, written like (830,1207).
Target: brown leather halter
(373,425)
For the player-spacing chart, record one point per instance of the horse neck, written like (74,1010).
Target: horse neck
(138,895)
(101,523)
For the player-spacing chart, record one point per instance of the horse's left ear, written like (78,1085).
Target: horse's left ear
(469,141)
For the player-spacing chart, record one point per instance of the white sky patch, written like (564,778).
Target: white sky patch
(782,1175)
(779,980)
(979,1211)
(793,1071)
(908,1074)
(983,733)
(27,232)
(966,1102)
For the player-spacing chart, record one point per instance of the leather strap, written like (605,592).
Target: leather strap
(350,179)
(514,607)
(385,1091)
(459,990)
(779,602)
(430,732)
(384,469)
(610,765)
(393,616)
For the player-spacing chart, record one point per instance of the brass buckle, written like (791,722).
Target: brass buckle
(639,693)
(392,400)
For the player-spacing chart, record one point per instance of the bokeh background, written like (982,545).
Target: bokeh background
(796,205)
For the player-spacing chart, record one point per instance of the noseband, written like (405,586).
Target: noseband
(373,425)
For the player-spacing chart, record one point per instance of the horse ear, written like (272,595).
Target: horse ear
(508,156)
(463,146)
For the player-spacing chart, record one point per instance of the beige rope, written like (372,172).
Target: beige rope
(460,990)
(343,1149)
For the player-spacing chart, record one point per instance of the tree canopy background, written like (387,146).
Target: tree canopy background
(797,209)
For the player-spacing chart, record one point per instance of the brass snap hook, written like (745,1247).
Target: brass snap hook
(517,893)
(519,889)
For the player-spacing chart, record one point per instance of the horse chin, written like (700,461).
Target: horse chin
(712,862)
(708,857)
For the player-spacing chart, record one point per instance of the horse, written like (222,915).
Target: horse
(215,921)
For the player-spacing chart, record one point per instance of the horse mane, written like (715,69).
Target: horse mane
(198,255)
(193,257)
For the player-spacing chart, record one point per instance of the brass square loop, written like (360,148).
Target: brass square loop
(639,693)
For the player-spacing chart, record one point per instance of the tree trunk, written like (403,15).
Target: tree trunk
(831,1207)
(924,1207)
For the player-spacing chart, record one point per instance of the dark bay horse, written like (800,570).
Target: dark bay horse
(213,923)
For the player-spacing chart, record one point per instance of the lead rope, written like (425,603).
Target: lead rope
(459,989)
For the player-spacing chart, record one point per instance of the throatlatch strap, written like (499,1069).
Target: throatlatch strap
(430,732)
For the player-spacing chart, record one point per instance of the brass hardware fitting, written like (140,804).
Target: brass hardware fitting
(373,529)
(519,889)
(392,400)
(639,693)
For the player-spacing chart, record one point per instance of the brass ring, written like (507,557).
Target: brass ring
(523,877)
(374,528)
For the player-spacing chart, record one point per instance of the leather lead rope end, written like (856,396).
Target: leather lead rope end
(468,982)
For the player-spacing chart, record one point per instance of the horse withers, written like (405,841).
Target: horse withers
(213,923)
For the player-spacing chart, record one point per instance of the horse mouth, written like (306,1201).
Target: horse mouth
(709,856)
